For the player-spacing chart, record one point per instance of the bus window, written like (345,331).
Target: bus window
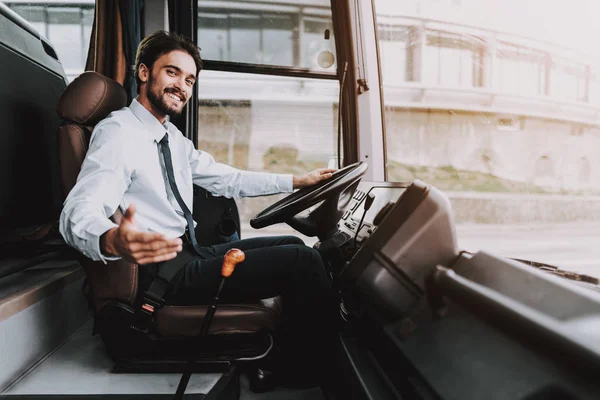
(290,35)
(496,103)
(283,124)
(66,25)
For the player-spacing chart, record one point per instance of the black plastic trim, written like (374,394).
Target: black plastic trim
(194,396)
(365,379)
(49,49)
(34,61)
(398,215)
(514,317)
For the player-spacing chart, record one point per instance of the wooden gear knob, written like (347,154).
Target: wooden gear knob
(232,258)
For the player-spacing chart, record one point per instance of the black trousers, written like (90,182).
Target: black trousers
(273,266)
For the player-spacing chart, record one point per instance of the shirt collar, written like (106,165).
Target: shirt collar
(155,128)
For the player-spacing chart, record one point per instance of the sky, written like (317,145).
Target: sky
(571,23)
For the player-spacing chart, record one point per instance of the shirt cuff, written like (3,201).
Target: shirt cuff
(285,182)
(95,233)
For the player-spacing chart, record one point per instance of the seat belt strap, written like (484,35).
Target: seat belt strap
(153,299)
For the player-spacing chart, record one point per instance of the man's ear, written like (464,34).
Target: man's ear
(143,73)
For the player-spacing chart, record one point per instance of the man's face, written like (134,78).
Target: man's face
(170,83)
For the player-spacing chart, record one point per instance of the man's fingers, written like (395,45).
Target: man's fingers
(147,246)
(145,253)
(327,171)
(142,256)
(149,237)
(155,245)
(156,259)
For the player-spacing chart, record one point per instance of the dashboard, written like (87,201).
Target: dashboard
(440,323)
(384,196)
(390,237)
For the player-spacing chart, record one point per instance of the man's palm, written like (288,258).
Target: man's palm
(140,247)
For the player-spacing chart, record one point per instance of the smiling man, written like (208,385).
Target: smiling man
(142,164)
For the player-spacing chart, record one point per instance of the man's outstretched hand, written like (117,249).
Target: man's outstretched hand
(313,177)
(138,247)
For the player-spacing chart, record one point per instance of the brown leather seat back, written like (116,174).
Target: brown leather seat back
(84,103)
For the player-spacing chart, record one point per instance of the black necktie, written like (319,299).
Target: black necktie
(166,152)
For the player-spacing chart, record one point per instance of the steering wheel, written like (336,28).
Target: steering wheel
(334,194)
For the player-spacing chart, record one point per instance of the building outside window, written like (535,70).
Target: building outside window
(397,53)
(568,80)
(453,60)
(520,70)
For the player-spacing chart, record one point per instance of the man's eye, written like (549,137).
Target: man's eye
(170,72)
(190,82)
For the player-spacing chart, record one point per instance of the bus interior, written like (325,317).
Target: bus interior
(458,229)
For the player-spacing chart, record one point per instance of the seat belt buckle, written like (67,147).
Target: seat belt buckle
(144,315)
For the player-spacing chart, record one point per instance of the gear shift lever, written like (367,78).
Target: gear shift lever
(231,260)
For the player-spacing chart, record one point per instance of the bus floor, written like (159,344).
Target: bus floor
(80,367)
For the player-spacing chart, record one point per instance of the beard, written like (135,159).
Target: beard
(156,96)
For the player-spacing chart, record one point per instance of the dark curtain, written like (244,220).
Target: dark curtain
(183,18)
(131,17)
(116,33)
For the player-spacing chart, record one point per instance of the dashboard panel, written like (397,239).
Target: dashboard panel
(385,194)
(408,231)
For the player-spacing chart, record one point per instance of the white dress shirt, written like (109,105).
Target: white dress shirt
(123,165)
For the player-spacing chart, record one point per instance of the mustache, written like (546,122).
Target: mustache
(176,92)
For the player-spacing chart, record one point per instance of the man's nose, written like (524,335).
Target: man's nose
(181,82)
(178,84)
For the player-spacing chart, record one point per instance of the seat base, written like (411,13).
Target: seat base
(131,347)
(127,346)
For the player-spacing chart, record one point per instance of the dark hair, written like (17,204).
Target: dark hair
(153,46)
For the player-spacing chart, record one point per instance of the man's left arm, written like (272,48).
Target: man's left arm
(224,180)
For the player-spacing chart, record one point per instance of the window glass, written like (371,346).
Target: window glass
(214,39)
(65,32)
(594,86)
(279,38)
(287,35)
(520,69)
(314,42)
(245,38)
(497,103)
(396,50)
(452,60)
(267,123)
(264,122)
(66,25)
(568,80)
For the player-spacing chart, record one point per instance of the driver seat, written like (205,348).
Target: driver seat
(237,330)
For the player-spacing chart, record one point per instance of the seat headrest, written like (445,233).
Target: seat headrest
(90,98)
